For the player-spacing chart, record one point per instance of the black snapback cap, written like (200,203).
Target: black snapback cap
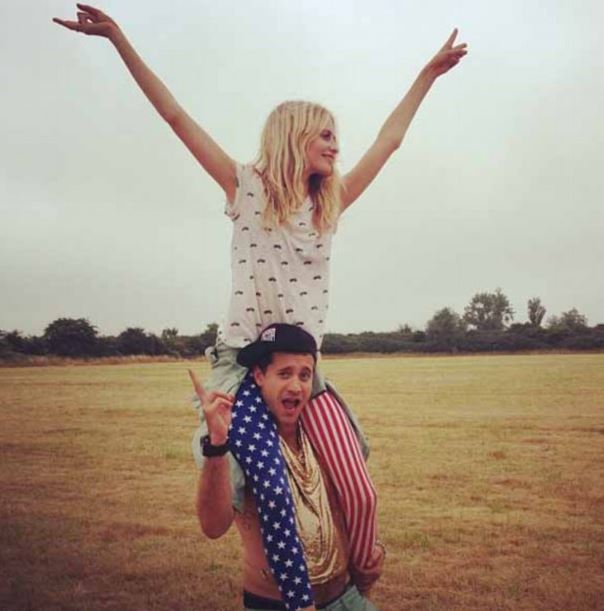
(278,337)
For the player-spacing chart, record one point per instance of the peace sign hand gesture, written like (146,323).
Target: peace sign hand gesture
(447,57)
(218,410)
(91,21)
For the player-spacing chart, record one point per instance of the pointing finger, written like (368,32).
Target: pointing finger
(198,386)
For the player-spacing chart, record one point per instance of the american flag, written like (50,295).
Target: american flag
(331,434)
(254,441)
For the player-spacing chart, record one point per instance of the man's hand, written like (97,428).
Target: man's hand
(365,578)
(218,410)
(447,57)
(91,21)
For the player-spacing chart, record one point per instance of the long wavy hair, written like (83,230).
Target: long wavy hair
(281,163)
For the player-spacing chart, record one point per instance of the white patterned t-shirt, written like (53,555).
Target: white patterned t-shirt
(279,274)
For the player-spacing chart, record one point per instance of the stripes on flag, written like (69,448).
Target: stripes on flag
(331,434)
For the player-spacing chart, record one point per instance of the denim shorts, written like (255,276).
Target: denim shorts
(351,600)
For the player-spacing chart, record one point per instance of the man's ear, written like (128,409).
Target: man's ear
(258,375)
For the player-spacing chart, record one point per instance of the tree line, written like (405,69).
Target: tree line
(486,325)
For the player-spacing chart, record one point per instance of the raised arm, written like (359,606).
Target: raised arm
(214,160)
(214,502)
(394,129)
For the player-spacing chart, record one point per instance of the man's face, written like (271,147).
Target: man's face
(286,385)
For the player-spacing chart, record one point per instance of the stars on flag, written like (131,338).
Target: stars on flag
(253,442)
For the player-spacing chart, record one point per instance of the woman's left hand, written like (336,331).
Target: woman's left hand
(447,57)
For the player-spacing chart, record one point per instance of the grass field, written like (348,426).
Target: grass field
(489,471)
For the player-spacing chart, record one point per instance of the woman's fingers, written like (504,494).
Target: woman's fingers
(93,14)
(89,9)
(450,40)
(70,25)
(85,19)
(88,18)
(457,53)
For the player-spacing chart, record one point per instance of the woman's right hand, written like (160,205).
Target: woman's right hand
(91,21)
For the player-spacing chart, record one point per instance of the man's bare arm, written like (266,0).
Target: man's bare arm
(214,503)
(214,498)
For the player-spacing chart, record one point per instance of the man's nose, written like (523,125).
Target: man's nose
(294,386)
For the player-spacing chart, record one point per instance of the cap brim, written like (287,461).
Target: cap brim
(252,353)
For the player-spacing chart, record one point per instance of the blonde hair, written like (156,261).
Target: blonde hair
(281,163)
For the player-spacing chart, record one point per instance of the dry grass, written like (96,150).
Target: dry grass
(489,473)
(24,360)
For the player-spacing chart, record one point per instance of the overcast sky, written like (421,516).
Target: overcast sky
(500,182)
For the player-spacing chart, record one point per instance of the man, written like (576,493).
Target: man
(282,363)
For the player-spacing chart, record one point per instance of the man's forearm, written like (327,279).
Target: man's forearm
(214,499)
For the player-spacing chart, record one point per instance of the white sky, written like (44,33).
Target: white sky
(499,183)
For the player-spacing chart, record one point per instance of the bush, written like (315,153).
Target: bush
(72,337)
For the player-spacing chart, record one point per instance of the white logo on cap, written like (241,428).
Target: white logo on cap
(268,335)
